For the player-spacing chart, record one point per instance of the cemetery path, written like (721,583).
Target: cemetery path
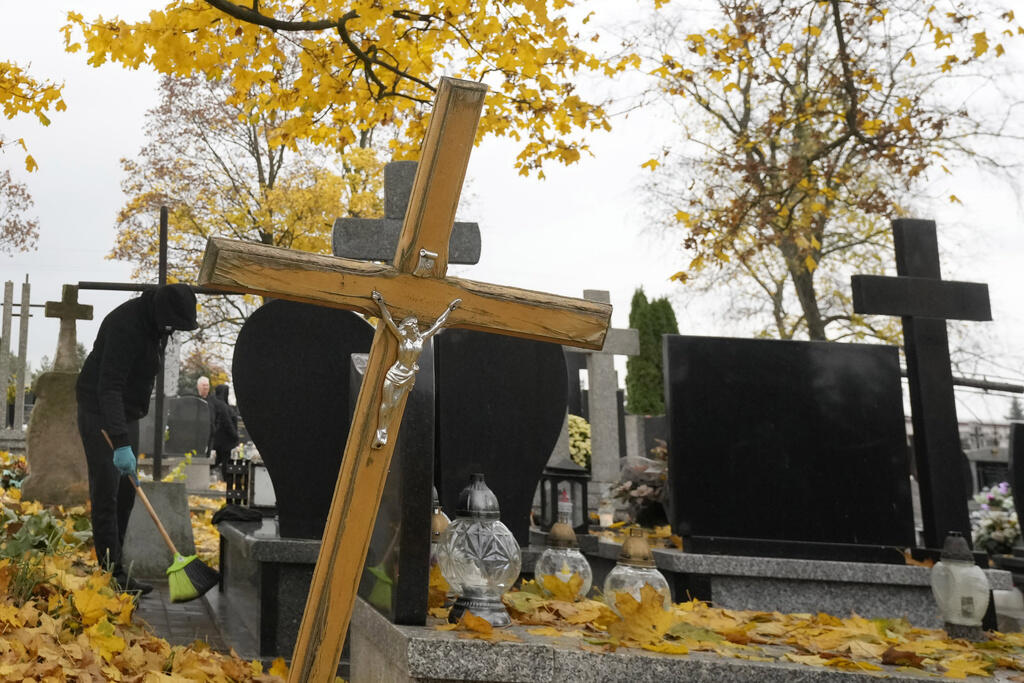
(180,623)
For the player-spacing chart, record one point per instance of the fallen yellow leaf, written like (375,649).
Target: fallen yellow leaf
(562,590)
(645,621)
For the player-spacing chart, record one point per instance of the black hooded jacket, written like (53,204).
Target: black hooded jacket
(118,375)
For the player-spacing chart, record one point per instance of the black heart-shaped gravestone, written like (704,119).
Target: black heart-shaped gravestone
(501,405)
(291,375)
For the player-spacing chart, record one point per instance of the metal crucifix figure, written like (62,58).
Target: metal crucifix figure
(402,374)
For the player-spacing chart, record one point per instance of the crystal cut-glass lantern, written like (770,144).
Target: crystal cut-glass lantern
(438,523)
(479,556)
(635,569)
(561,561)
(960,588)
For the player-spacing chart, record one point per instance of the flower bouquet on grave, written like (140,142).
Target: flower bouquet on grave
(642,488)
(995,527)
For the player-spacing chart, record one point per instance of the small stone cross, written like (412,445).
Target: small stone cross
(926,301)
(68,310)
(415,286)
(375,239)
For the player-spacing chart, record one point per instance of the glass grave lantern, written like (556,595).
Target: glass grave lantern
(562,562)
(635,569)
(438,523)
(479,556)
(960,588)
(564,476)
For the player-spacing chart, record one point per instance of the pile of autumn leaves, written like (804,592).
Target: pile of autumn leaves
(855,643)
(62,621)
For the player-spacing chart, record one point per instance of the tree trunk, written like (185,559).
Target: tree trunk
(803,283)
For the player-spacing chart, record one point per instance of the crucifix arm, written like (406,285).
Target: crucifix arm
(441,319)
(384,314)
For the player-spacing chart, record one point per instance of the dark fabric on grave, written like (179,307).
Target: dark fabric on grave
(236,513)
(291,371)
(501,403)
(784,441)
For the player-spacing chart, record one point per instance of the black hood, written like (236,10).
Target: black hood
(174,306)
(221,392)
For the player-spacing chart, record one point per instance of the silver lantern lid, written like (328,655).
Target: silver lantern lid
(476,500)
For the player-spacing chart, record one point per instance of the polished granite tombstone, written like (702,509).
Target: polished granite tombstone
(291,373)
(395,573)
(501,405)
(186,424)
(787,448)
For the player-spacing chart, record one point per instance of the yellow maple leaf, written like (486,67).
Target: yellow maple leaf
(552,632)
(437,588)
(851,665)
(643,621)
(471,622)
(93,605)
(279,668)
(562,590)
(104,639)
(962,666)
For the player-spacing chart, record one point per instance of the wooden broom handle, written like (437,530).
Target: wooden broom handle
(145,501)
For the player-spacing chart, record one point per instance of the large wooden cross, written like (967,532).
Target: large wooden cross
(415,285)
(926,301)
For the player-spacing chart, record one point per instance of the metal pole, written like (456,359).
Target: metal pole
(158,419)
(143,286)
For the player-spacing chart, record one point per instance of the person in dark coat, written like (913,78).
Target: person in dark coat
(113,392)
(225,427)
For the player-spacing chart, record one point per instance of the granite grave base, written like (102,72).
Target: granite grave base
(870,590)
(264,583)
(385,653)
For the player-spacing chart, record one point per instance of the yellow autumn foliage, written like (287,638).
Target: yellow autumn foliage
(364,64)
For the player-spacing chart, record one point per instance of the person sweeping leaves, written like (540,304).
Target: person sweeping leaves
(113,392)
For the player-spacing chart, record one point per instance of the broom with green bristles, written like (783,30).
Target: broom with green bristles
(187,577)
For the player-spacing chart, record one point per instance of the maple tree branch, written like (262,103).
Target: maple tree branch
(253,16)
(848,84)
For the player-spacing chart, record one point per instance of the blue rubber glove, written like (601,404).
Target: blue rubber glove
(124,460)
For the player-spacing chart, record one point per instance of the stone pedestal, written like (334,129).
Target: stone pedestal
(265,582)
(58,474)
(145,552)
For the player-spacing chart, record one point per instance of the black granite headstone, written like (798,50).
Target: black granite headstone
(576,361)
(1016,457)
(291,374)
(395,574)
(187,425)
(925,302)
(501,403)
(787,448)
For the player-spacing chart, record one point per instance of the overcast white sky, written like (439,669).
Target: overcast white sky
(581,228)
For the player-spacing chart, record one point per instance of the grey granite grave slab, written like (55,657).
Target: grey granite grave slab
(872,590)
(384,652)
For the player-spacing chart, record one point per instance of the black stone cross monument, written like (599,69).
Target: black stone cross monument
(926,302)
(374,239)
